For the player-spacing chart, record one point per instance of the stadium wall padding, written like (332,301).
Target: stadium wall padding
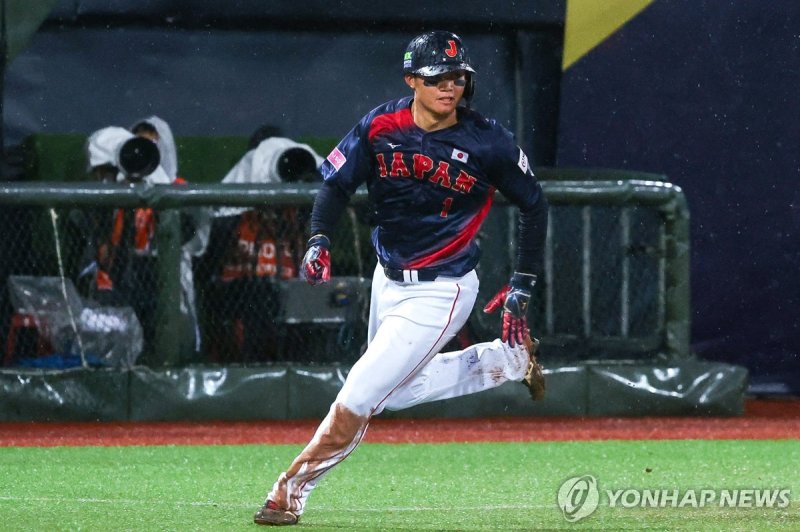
(305,392)
(209,393)
(73,395)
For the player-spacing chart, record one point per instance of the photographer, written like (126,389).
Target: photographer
(121,255)
(251,248)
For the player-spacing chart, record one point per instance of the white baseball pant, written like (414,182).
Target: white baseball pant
(409,323)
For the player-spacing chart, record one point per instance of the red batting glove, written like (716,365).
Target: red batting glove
(317,260)
(515,308)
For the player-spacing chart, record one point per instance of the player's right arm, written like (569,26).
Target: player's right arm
(511,173)
(345,168)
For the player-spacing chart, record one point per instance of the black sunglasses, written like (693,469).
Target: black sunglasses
(434,81)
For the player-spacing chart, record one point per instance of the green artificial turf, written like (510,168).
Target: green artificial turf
(500,486)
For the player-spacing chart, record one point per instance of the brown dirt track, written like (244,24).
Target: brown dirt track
(763,419)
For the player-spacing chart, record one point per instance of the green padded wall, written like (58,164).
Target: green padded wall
(680,388)
(62,157)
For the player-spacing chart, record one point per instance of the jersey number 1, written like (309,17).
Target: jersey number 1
(448,202)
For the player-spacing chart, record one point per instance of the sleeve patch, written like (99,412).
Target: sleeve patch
(337,159)
(523,161)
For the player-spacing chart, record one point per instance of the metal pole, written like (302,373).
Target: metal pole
(3,62)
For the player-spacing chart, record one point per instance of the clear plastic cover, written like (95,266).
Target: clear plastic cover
(73,327)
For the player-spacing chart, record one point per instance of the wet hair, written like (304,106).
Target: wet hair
(144,127)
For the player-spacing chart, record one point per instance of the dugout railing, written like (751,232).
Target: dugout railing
(616,282)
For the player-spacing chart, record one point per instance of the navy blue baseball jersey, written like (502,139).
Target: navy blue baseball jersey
(430,191)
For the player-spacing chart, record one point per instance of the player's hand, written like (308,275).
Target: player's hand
(514,299)
(317,261)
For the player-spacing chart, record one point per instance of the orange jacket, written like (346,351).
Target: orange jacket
(257,250)
(144,229)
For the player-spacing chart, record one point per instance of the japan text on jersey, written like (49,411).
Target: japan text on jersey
(430,191)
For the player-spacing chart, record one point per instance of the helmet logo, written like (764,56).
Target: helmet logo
(452,51)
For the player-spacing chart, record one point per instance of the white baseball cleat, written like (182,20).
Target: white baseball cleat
(270,514)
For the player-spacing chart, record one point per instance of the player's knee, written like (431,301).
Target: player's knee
(509,362)
(518,363)
(410,394)
(357,400)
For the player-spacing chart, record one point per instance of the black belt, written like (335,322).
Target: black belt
(410,276)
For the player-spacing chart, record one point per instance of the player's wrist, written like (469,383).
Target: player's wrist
(321,240)
(523,281)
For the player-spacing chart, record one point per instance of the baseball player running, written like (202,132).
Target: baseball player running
(431,167)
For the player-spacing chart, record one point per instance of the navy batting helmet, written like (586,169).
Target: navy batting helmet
(438,52)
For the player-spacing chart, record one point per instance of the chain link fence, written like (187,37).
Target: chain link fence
(110,277)
(254,303)
(241,299)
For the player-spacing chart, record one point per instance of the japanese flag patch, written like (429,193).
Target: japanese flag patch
(523,161)
(337,158)
(460,156)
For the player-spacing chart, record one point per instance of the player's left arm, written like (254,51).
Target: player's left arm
(329,204)
(513,176)
(345,168)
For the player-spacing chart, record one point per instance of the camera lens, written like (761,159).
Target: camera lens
(138,158)
(295,164)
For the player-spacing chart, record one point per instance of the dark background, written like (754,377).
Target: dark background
(313,68)
(706,93)
(703,92)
